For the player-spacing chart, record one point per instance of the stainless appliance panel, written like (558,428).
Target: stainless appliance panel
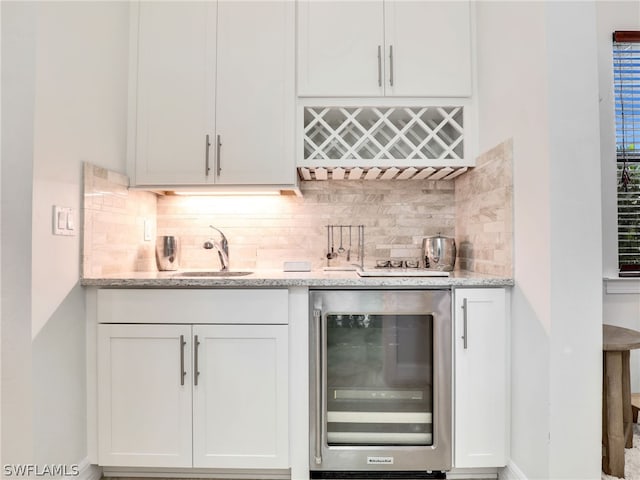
(398,415)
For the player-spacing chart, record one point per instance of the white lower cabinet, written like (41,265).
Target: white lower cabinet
(144,403)
(481,378)
(193,395)
(240,404)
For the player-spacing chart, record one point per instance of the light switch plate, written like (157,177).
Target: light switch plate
(63,221)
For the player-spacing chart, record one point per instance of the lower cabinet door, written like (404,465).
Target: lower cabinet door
(144,398)
(240,399)
(481,356)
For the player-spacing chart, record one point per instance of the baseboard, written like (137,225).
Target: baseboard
(199,473)
(511,472)
(472,473)
(87,471)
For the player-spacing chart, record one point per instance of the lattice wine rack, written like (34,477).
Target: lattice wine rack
(348,142)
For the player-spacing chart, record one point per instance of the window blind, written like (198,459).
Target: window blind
(626,80)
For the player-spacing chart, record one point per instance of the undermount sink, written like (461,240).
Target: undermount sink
(217,273)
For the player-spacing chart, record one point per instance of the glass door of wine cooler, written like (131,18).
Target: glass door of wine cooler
(379,379)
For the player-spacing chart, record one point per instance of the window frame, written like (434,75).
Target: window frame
(626,83)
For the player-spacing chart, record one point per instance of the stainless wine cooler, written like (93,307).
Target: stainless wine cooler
(380,383)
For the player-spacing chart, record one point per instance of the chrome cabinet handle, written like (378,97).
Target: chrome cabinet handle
(218,157)
(317,316)
(182,371)
(379,65)
(391,65)
(464,323)
(206,155)
(196,372)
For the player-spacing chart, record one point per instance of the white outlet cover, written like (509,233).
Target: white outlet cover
(148,234)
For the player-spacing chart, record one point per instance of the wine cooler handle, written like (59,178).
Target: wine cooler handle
(317,320)
(464,323)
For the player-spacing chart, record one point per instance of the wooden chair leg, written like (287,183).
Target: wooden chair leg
(614,410)
(627,413)
(635,406)
(605,433)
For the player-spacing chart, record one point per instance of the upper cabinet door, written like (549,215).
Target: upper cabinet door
(255,93)
(390,48)
(340,48)
(428,49)
(175,90)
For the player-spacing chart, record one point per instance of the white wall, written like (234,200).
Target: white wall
(18,67)
(81,81)
(533,89)
(80,115)
(64,80)
(512,90)
(576,284)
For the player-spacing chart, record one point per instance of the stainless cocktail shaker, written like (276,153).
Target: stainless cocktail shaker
(167,252)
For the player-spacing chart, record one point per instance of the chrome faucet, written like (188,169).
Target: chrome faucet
(222,247)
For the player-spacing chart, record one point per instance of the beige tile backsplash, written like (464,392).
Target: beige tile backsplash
(484,213)
(113,218)
(265,231)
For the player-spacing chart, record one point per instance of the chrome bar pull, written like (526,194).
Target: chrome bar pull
(182,371)
(391,65)
(218,157)
(379,65)
(317,319)
(464,323)
(196,372)
(207,145)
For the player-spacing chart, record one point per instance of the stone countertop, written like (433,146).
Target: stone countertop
(278,278)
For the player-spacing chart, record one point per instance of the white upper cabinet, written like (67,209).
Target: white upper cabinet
(428,48)
(176,57)
(384,48)
(255,92)
(212,93)
(338,48)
